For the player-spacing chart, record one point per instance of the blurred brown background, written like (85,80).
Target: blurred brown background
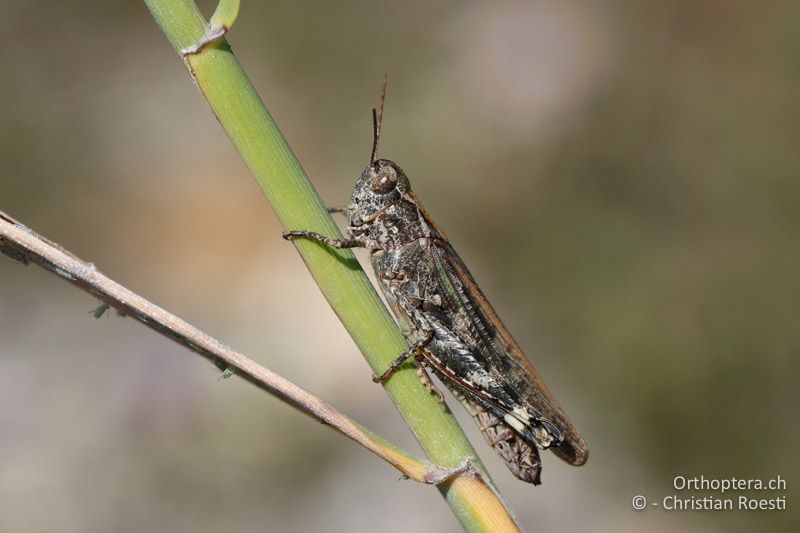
(621,177)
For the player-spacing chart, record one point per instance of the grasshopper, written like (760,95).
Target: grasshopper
(452,328)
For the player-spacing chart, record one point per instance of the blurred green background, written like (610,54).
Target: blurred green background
(622,179)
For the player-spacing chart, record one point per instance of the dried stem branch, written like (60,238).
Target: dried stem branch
(24,245)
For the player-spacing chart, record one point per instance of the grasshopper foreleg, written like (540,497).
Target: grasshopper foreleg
(339,209)
(314,236)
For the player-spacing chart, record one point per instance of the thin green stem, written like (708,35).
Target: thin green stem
(231,96)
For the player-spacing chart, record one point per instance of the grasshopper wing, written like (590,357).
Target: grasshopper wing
(504,354)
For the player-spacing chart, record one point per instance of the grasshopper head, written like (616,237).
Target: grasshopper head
(381,185)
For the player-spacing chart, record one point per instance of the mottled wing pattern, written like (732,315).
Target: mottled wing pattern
(505,355)
(520,457)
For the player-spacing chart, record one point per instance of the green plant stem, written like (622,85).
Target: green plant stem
(231,96)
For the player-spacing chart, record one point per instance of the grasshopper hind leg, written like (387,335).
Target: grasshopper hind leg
(519,456)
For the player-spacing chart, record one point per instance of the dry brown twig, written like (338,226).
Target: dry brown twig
(24,245)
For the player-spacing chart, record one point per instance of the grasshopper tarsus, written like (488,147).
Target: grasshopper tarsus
(426,380)
(314,236)
(339,209)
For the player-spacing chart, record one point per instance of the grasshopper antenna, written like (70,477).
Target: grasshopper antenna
(377,118)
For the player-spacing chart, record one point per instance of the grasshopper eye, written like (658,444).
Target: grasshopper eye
(385,181)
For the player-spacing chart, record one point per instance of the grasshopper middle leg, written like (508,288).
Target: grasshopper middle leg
(403,356)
